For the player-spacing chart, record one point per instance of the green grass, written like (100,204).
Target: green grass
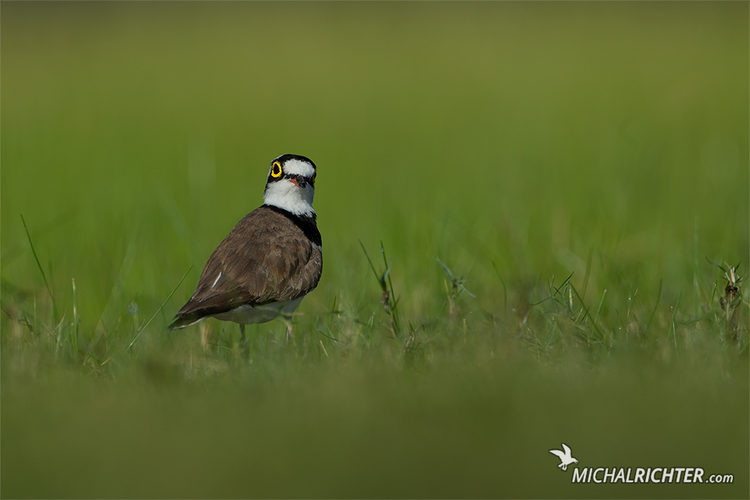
(548,180)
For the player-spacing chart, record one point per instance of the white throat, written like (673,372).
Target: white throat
(284,194)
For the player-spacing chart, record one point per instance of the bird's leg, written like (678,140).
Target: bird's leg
(243,342)
(288,320)
(289,329)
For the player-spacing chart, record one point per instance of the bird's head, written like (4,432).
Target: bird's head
(291,184)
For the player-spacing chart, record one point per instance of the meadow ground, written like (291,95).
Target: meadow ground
(574,166)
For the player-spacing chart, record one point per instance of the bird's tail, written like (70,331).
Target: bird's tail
(183,322)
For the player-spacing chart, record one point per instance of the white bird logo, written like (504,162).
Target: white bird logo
(565,457)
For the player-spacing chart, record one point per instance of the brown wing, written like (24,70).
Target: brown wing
(264,259)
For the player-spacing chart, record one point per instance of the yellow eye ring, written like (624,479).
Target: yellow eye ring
(276,170)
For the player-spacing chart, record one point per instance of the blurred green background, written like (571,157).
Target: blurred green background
(516,142)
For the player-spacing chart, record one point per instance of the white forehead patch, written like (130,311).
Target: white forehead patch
(297,167)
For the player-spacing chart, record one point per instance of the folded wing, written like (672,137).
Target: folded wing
(264,259)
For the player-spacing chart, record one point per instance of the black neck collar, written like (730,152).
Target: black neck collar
(307,223)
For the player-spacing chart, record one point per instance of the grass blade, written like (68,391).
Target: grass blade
(74,331)
(372,266)
(140,330)
(656,306)
(394,303)
(588,272)
(39,265)
(505,290)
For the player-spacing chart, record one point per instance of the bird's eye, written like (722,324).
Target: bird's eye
(276,170)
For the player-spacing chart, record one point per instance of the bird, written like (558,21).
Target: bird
(269,261)
(565,457)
